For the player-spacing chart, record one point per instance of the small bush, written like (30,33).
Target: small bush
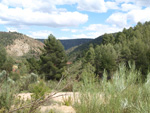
(14,76)
(39,89)
(67,101)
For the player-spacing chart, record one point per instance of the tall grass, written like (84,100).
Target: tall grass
(125,93)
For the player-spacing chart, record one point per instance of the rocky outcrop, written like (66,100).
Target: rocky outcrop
(24,45)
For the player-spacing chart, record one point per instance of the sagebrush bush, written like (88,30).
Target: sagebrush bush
(125,93)
(24,82)
(7,92)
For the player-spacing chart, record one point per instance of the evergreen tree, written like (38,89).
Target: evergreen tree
(105,58)
(33,65)
(108,38)
(90,56)
(53,59)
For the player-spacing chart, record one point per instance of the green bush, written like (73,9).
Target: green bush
(25,81)
(68,101)
(39,89)
(14,76)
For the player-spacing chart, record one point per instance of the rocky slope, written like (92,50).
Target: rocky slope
(19,45)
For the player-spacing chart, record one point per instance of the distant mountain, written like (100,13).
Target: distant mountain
(17,44)
(69,43)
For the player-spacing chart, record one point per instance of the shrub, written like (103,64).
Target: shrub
(25,81)
(123,94)
(39,89)
(67,101)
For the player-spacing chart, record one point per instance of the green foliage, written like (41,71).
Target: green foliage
(25,81)
(3,56)
(39,90)
(14,76)
(106,57)
(8,64)
(110,50)
(123,94)
(23,68)
(6,97)
(7,92)
(2,75)
(108,38)
(53,59)
(67,101)
(70,43)
(90,56)
(6,38)
(33,65)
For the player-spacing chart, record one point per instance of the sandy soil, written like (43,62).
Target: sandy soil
(58,99)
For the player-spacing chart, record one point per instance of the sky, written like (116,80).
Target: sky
(71,19)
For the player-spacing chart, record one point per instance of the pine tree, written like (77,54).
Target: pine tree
(53,59)
(105,58)
(90,56)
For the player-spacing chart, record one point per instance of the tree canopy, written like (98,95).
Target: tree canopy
(53,58)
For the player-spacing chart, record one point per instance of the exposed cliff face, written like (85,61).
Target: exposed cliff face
(22,45)
(19,48)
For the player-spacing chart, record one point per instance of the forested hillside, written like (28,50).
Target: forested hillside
(69,43)
(131,44)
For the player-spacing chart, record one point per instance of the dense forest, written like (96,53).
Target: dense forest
(129,45)
(109,73)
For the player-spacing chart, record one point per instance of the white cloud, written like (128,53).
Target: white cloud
(12,29)
(128,7)
(129,18)
(65,38)
(139,15)
(87,35)
(42,5)
(82,36)
(43,34)
(101,28)
(19,16)
(92,5)
(65,29)
(145,3)
(99,6)
(118,19)
(70,30)
(111,5)
(95,30)
(74,30)
(38,12)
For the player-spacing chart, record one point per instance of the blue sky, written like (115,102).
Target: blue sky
(71,19)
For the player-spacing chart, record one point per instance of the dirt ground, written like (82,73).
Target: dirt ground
(57,104)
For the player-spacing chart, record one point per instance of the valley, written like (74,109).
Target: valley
(107,74)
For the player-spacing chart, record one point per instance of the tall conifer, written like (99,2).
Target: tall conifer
(53,58)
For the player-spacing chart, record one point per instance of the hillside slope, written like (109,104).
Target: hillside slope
(18,45)
(69,43)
